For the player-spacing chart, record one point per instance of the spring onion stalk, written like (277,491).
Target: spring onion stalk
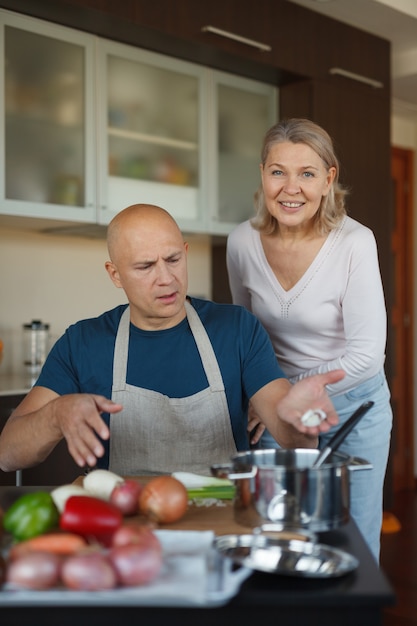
(218,493)
(206,486)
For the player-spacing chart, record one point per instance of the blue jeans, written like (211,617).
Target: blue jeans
(370,439)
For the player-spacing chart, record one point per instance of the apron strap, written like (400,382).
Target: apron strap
(208,358)
(121,348)
(205,349)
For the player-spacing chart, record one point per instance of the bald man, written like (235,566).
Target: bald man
(163,383)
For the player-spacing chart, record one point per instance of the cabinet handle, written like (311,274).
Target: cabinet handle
(224,33)
(362,79)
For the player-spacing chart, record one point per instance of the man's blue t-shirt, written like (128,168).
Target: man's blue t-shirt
(167,361)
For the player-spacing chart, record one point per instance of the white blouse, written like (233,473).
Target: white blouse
(334,317)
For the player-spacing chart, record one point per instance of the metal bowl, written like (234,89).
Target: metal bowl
(289,557)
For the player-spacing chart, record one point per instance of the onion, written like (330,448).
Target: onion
(101,482)
(136,564)
(135,534)
(164,499)
(91,571)
(125,496)
(35,570)
(61,494)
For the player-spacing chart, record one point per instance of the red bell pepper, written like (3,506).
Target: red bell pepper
(91,518)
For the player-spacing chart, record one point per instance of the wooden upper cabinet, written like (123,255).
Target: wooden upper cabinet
(308,43)
(303,43)
(243,30)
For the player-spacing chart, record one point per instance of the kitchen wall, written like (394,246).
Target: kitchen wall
(62,279)
(404,135)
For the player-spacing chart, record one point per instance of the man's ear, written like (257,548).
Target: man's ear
(113,273)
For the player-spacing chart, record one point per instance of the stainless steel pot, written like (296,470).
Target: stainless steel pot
(282,487)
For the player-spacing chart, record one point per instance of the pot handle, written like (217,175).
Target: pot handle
(225,470)
(356,464)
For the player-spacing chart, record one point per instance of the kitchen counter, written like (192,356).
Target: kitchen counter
(356,599)
(14,384)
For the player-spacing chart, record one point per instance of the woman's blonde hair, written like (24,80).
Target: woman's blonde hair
(298,130)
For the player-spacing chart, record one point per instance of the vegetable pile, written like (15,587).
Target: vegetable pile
(79,537)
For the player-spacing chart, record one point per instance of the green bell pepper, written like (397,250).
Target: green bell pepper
(30,515)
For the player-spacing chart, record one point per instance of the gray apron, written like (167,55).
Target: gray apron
(154,434)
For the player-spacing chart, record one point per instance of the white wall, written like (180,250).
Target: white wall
(404,135)
(61,280)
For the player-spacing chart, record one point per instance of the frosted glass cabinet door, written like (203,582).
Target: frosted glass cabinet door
(46,169)
(245,111)
(152,130)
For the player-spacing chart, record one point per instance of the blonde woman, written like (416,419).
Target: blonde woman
(311,275)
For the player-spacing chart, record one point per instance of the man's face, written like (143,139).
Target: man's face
(150,265)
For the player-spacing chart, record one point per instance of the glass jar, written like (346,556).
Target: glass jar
(35,347)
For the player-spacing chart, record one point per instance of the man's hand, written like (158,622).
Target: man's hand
(310,393)
(44,418)
(78,417)
(255,427)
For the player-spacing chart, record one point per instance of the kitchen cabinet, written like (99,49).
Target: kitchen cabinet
(48,134)
(8,403)
(311,44)
(179,135)
(279,34)
(243,111)
(168,132)
(305,47)
(58,469)
(153,121)
(228,26)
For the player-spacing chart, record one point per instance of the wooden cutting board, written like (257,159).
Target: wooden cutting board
(218,517)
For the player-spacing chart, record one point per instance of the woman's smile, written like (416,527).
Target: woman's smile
(291,171)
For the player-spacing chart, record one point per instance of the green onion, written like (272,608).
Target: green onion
(226,492)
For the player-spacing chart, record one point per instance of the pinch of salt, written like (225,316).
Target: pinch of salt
(313,417)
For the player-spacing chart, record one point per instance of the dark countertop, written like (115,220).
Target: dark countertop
(356,599)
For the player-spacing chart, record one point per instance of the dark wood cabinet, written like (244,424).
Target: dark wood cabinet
(7,404)
(244,31)
(58,469)
(303,42)
(308,43)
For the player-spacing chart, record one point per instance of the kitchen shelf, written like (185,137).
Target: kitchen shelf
(152,139)
(19,119)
